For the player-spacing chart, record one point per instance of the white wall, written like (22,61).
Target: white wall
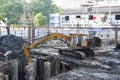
(84,20)
(54,20)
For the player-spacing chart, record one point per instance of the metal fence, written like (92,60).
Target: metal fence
(32,32)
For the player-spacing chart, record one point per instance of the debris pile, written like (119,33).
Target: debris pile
(54,43)
(10,42)
(11,47)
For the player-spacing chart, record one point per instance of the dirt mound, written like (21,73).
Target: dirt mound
(53,43)
(10,42)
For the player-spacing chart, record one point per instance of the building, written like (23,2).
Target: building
(68,4)
(111,1)
(104,20)
(104,16)
(76,4)
(54,20)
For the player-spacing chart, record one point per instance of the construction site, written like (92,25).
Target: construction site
(57,56)
(59,39)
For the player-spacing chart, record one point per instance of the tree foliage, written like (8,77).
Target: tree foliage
(13,9)
(40,19)
(44,6)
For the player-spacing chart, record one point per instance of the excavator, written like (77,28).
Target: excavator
(70,40)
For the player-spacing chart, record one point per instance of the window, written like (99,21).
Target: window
(52,24)
(78,16)
(117,17)
(52,18)
(66,18)
(91,17)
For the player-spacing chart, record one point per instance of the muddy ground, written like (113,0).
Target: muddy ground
(105,65)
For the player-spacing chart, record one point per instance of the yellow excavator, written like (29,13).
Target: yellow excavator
(70,40)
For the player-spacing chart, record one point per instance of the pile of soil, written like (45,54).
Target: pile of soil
(10,42)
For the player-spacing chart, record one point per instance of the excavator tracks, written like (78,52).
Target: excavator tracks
(79,53)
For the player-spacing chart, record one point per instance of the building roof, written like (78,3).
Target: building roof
(98,10)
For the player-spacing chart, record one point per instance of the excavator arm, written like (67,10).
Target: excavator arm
(49,37)
(26,51)
(43,40)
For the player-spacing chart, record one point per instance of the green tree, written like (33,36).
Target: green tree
(44,6)
(40,19)
(11,9)
(56,9)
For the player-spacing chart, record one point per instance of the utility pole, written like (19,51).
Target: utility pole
(78,27)
(116,34)
(8,28)
(24,12)
(7,25)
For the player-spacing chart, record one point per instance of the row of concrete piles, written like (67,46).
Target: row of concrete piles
(9,71)
(41,68)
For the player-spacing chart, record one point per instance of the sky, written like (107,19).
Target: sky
(58,2)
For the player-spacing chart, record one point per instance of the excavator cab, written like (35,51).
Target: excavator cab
(94,42)
(77,40)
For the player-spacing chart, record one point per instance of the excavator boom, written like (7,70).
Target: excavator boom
(44,39)
(26,51)
(49,37)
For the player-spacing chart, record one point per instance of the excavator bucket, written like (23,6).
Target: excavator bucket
(26,52)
